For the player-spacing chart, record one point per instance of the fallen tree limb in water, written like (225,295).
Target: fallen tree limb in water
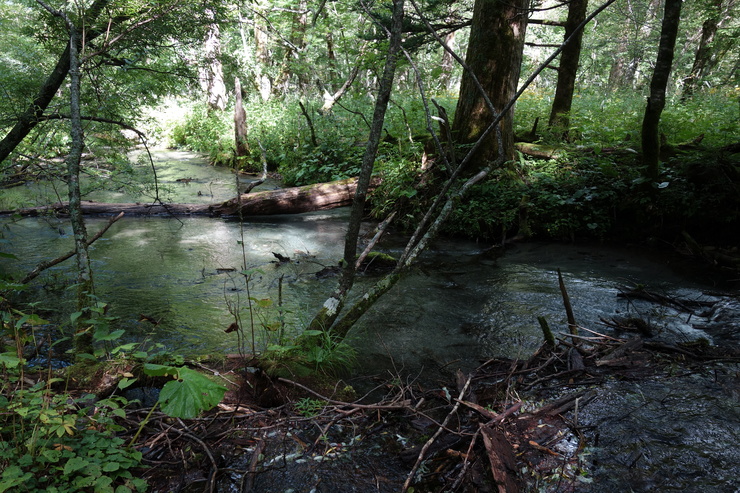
(295,200)
(50,263)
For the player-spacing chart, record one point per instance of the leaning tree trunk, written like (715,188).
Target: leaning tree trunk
(495,57)
(327,315)
(33,114)
(658,84)
(436,216)
(568,68)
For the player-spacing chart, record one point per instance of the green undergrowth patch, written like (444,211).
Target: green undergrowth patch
(593,189)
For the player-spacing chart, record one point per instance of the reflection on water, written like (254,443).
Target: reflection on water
(673,434)
(456,306)
(185,273)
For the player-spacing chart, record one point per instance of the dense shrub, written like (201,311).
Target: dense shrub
(595,190)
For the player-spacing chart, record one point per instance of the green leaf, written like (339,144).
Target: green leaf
(73,318)
(111,466)
(126,382)
(187,397)
(112,336)
(9,360)
(75,464)
(104,484)
(51,455)
(13,476)
(154,370)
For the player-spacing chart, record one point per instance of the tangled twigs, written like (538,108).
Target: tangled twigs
(429,442)
(191,436)
(403,405)
(248,478)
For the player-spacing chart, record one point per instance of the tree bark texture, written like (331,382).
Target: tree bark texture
(568,68)
(658,84)
(83,339)
(495,57)
(212,74)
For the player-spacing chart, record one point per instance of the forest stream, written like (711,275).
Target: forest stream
(458,308)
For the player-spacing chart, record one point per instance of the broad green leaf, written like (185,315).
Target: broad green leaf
(73,318)
(126,382)
(187,397)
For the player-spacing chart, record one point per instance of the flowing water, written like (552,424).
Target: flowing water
(457,308)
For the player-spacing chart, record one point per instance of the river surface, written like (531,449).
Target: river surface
(457,308)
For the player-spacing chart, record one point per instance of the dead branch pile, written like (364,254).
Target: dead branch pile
(508,426)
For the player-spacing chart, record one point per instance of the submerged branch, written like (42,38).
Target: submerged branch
(51,263)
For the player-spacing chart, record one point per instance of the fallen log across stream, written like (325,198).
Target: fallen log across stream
(295,200)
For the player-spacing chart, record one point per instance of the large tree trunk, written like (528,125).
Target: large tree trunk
(448,63)
(704,51)
(568,68)
(212,74)
(495,57)
(658,84)
(321,196)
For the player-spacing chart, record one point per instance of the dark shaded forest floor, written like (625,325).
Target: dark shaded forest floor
(510,425)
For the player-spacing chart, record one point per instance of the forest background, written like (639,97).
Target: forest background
(309,75)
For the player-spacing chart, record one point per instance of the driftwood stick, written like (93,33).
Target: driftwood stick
(466,461)
(379,234)
(604,336)
(51,263)
(568,308)
(248,478)
(622,350)
(501,457)
(546,332)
